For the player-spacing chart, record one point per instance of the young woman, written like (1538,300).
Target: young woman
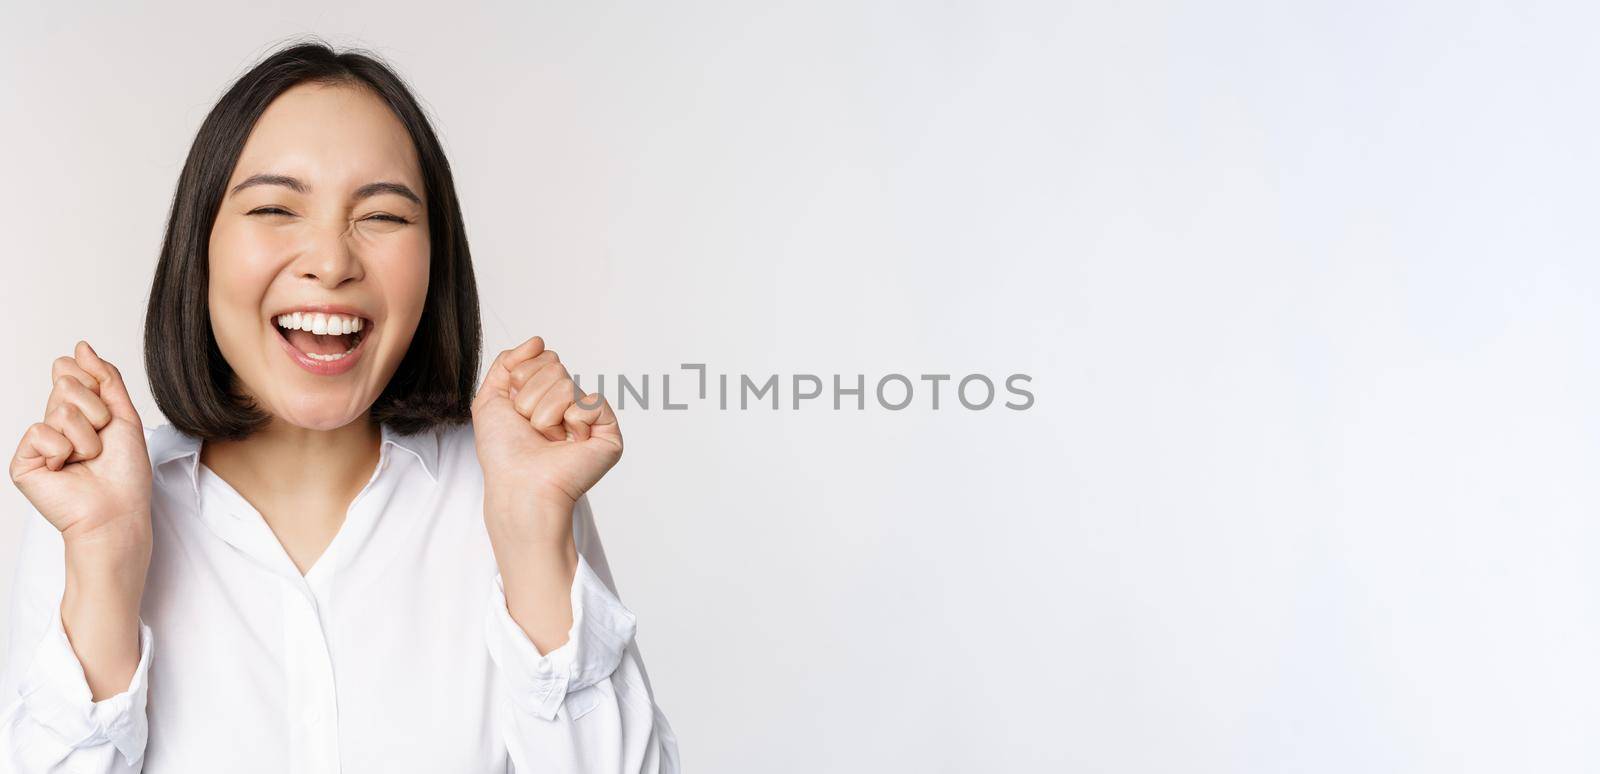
(341,555)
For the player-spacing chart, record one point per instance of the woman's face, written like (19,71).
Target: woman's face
(323,213)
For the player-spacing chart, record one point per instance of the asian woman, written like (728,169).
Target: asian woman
(343,553)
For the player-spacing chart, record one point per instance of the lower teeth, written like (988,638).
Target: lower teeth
(330,358)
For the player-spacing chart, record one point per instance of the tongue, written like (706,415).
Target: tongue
(306,341)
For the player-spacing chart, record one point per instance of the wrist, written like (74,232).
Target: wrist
(107,561)
(528,519)
(120,540)
(518,495)
(112,579)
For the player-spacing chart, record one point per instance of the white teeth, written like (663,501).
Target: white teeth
(318,323)
(326,358)
(322,324)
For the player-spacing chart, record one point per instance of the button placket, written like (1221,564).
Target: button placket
(313,721)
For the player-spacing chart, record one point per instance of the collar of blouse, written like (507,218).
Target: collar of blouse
(168,444)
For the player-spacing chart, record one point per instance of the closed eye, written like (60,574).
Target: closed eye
(280,211)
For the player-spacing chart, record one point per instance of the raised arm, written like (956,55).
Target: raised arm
(74,684)
(578,700)
(586,705)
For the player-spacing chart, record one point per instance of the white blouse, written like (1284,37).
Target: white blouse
(394,653)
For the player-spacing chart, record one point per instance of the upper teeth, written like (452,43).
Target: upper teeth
(319,323)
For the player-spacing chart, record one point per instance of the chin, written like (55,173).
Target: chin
(314,414)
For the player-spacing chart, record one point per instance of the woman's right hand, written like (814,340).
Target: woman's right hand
(86,470)
(85,467)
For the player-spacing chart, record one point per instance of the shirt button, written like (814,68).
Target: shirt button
(544,666)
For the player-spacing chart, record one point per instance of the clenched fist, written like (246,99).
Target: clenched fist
(535,440)
(85,467)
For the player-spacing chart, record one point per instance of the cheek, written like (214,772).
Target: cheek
(403,275)
(241,265)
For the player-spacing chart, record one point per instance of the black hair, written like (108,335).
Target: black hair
(191,382)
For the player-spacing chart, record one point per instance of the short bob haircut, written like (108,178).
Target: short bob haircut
(193,385)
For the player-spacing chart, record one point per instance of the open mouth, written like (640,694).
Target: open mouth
(323,337)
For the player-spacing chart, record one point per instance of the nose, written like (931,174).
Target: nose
(330,258)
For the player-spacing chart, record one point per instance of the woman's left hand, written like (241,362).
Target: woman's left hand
(538,445)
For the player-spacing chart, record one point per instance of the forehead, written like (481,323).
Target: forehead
(335,137)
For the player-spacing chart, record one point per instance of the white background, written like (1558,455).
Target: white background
(1307,292)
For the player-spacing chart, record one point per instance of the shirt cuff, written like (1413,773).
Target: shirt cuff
(601,631)
(56,695)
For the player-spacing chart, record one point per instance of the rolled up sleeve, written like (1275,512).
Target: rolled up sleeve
(54,723)
(586,706)
(49,721)
(540,684)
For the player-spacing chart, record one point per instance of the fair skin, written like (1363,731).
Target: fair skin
(328,236)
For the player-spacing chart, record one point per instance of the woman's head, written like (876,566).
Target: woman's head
(315,182)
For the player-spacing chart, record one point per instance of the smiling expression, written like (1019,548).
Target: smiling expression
(319,255)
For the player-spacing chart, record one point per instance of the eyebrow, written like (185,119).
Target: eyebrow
(294,184)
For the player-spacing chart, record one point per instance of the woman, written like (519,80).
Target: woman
(341,555)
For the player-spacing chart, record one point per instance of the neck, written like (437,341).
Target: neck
(300,463)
